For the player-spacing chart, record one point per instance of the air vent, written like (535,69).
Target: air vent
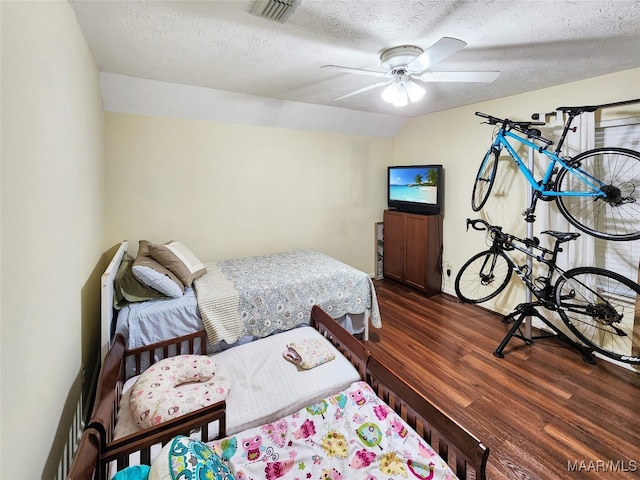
(277,10)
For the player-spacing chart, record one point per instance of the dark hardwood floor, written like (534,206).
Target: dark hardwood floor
(543,412)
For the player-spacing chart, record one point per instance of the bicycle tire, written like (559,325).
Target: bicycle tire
(485,179)
(482,277)
(598,307)
(610,218)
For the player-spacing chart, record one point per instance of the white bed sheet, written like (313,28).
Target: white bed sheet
(265,386)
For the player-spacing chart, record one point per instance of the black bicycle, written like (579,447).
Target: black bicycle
(596,305)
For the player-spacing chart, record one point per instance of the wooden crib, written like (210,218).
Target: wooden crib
(462,451)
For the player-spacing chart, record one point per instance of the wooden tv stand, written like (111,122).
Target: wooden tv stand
(412,250)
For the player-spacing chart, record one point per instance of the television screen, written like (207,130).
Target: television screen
(415,188)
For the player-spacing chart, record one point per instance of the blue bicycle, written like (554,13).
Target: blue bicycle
(596,190)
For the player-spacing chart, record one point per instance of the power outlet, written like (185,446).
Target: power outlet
(447,269)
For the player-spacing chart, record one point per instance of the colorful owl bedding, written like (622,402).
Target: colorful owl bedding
(350,435)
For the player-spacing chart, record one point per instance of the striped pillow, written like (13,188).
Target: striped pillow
(178,259)
(151,273)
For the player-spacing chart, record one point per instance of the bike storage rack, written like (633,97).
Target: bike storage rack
(524,312)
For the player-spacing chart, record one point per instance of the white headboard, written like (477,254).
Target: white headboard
(106,298)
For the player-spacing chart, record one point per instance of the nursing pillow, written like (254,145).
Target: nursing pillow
(175,386)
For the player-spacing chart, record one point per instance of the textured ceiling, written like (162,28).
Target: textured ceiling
(220,45)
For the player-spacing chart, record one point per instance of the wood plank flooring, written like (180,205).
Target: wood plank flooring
(544,413)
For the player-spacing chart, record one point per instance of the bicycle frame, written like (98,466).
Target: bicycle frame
(544,294)
(542,187)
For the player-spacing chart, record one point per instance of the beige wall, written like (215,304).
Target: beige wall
(456,139)
(52,229)
(235,190)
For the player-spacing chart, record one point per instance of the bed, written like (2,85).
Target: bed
(466,455)
(272,292)
(261,381)
(256,370)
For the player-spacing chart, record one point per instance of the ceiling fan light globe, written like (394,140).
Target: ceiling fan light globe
(388,95)
(414,91)
(392,92)
(401,100)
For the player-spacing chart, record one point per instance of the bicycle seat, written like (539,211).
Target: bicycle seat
(562,236)
(579,110)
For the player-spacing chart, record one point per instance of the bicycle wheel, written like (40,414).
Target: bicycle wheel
(483,277)
(598,307)
(616,216)
(485,178)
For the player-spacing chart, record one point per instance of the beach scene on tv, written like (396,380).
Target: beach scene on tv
(413,184)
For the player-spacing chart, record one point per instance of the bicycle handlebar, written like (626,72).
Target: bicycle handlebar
(484,225)
(495,230)
(494,120)
(523,127)
(505,238)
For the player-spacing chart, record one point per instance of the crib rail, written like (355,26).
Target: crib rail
(464,453)
(85,465)
(143,357)
(352,348)
(207,423)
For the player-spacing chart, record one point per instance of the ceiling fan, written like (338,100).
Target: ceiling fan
(407,63)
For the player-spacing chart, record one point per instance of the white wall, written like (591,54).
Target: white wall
(52,228)
(456,139)
(234,190)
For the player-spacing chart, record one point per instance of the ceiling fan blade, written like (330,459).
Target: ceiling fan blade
(362,90)
(359,71)
(479,77)
(438,51)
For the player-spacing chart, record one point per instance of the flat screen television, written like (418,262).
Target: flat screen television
(416,189)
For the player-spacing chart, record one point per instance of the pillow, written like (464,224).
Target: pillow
(154,275)
(185,457)
(128,289)
(173,387)
(133,472)
(178,259)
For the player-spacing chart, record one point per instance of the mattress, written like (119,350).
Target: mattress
(154,321)
(265,386)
